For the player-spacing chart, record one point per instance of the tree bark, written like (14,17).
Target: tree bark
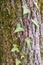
(32,32)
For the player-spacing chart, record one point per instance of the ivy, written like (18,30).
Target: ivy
(22,56)
(28,41)
(35,3)
(19,28)
(17,61)
(15,48)
(26,10)
(34,21)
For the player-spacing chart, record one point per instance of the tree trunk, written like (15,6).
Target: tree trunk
(11,14)
(32,32)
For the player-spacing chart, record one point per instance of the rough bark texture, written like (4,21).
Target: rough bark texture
(32,32)
(9,11)
(11,14)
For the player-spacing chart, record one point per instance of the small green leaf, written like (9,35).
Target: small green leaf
(18,62)
(15,45)
(28,41)
(12,50)
(19,28)
(25,9)
(22,56)
(15,48)
(35,21)
(36,5)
